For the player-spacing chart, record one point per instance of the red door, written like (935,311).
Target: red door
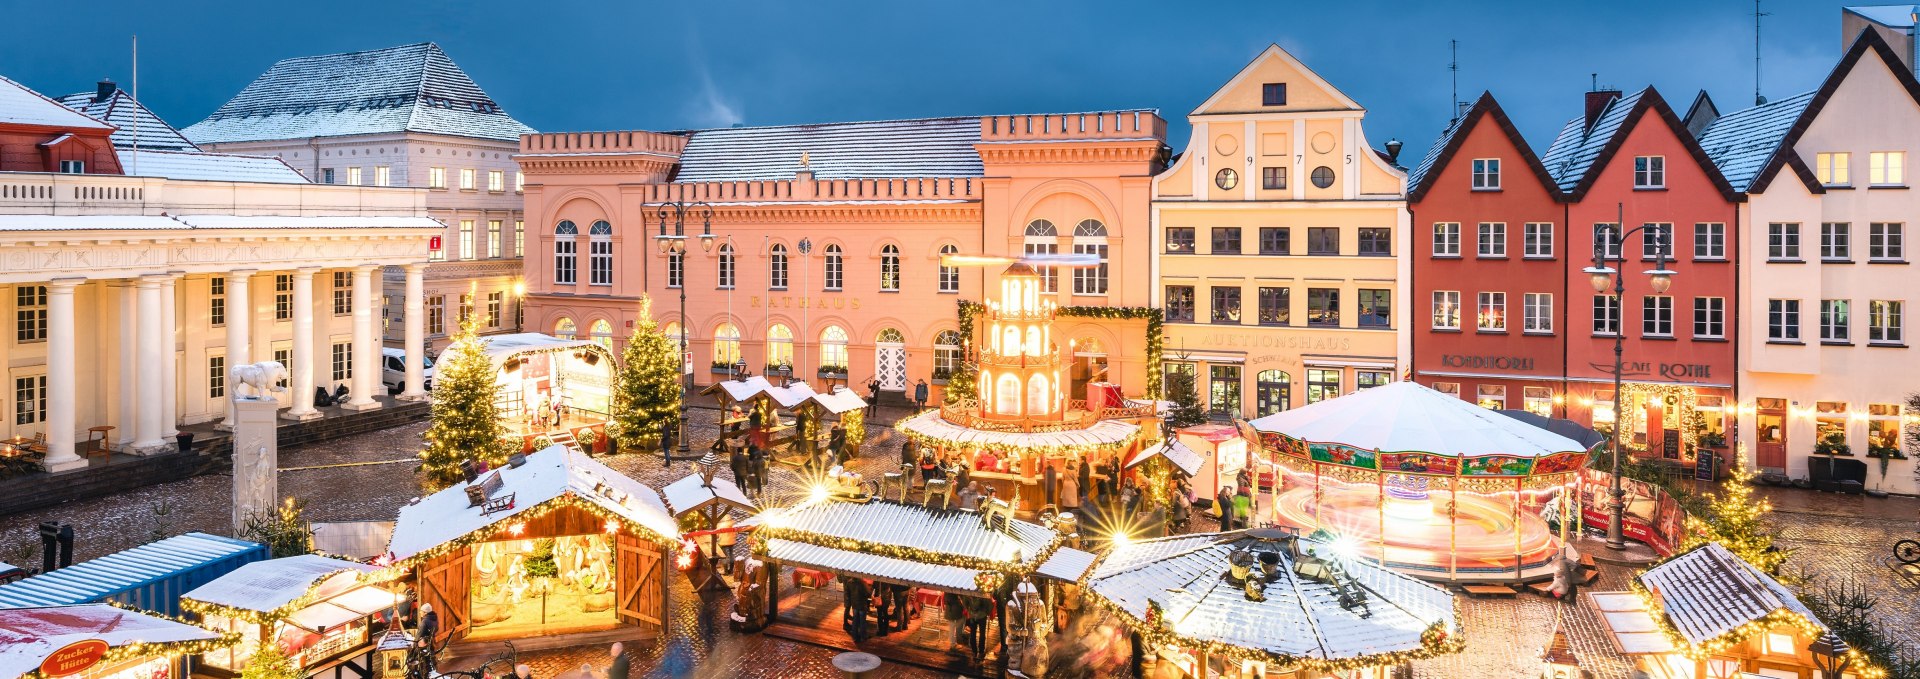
(1770,446)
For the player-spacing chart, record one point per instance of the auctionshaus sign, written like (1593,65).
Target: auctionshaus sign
(1485,362)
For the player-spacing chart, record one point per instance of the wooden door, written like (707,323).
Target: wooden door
(641,595)
(446,582)
(1770,441)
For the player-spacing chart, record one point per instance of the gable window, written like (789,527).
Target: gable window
(1649,172)
(1536,313)
(1710,240)
(1886,242)
(1273,177)
(777,267)
(1831,168)
(1043,239)
(1446,239)
(1710,317)
(1887,168)
(436,177)
(1376,242)
(836,268)
(30,313)
(1783,320)
(565,250)
(1090,238)
(1276,240)
(1783,241)
(73,167)
(1493,239)
(1273,94)
(1226,240)
(1493,312)
(1180,240)
(1323,240)
(1834,246)
(1486,174)
(949,275)
(1835,321)
(724,272)
(1446,309)
(1538,240)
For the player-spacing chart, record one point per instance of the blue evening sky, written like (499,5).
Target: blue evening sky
(562,65)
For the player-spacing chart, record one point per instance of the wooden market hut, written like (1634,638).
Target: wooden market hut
(796,397)
(1708,613)
(1265,602)
(932,551)
(712,499)
(326,614)
(99,641)
(554,545)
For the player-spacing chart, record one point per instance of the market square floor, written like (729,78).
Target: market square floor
(368,477)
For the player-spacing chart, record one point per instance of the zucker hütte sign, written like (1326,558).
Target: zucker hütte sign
(74,658)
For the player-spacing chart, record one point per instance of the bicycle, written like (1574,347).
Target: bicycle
(1907,551)
(420,665)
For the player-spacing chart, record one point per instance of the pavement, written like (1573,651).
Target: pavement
(1834,539)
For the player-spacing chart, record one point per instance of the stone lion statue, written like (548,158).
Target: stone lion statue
(260,379)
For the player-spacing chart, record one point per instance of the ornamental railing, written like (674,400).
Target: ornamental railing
(988,359)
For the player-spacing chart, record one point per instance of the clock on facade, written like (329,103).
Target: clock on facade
(1226,179)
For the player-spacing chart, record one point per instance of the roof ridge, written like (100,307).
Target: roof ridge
(390,48)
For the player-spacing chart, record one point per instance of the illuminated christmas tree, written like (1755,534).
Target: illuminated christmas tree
(270,663)
(1738,521)
(466,423)
(646,392)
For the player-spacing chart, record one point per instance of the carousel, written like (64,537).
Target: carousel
(1020,432)
(1424,482)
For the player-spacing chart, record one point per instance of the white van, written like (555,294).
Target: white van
(393,370)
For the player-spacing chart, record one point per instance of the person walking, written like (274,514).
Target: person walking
(618,669)
(757,459)
(920,394)
(837,444)
(1224,503)
(741,465)
(1070,491)
(873,391)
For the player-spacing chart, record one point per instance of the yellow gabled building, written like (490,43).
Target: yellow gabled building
(1278,239)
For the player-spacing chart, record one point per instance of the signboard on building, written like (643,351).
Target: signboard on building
(74,658)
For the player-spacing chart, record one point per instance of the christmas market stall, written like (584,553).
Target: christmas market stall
(750,414)
(99,641)
(550,385)
(1425,482)
(1019,433)
(149,577)
(322,613)
(1265,603)
(705,506)
(553,543)
(1708,613)
(858,572)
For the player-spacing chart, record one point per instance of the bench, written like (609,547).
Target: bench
(1488,590)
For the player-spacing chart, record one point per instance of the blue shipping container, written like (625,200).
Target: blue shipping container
(149,577)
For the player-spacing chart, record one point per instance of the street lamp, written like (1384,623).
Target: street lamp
(1602,276)
(1830,655)
(671,244)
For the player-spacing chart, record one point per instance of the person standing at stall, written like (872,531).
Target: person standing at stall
(757,459)
(837,443)
(1223,502)
(920,394)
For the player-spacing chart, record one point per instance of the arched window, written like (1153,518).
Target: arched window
(836,268)
(1043,239)
(890,268)
(1272,392)
(833,349)
(600,253)
(1090,238)
(889,336)
(1039,395)
(1010,341)
(726,345)
(1006,395)
(564,251)
(946,354)
(777,267)
(949,275)
(672,331)
(779,346)
(726,266)
(565,329)
(1088,346)
(602,334)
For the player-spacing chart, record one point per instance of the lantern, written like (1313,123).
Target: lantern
(390,655)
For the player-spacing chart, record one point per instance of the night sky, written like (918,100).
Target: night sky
(562,65)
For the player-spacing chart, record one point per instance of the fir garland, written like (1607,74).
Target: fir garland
(991,576)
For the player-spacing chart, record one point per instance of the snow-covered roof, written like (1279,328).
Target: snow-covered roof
(1630,624)
(1300,619)
(931,426)
(20,105)
(935,576)
(135,121)
(123,575)
(1891,16)
(548,474)
(1068,564)
(1707,592)
(691,493)
(1177,452)
(1574,151)
(410,88)
(840,400)
(892,149)
(88,223)
(1740,143)
(1428,162)
(194,165)
(288,222)
(502,347)
(265,586)
(1409,417)
(862,534)
(29,635)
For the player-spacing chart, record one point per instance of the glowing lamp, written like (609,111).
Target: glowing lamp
(1662,280)
(1600,276)
(1344,547)
(517,529)
(1119,539)
(818,493)
(707,241)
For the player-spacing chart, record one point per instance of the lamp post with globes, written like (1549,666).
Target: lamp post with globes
(671,244)
(1606,278)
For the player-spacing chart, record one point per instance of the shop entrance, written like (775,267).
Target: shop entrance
(890,360)
(1770,418)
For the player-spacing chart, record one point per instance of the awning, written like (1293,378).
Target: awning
(1176,452)
(1630,624)
(691,493)
(1067,564)
(367,600)
(322,616)
(899,571)
(1105,433)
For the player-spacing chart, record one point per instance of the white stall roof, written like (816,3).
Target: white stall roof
(547,475)
(268,585)
(840,400)
(1406,416)
(502,347)
(1631,625)
(691,493)
(1708,592)
(1176,452)
(1102,433)
(322,616)
(29,635)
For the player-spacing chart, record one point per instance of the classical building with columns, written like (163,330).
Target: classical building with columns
(129,298)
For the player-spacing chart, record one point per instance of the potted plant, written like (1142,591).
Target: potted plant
(1832,444)
(833,371)
(722,368)
(587,439)
(778,369)
(542,442)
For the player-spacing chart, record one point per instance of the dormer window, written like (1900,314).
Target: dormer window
(1650,172)
(1273,94)
(73,167)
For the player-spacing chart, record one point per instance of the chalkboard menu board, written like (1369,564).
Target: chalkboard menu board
(1704,468)
(1670,444)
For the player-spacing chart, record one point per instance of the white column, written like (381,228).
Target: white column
(416,333)
(147,421)
(129,391)
(239,325)
(169,357)
(366,342)
(302,367)
(61,376)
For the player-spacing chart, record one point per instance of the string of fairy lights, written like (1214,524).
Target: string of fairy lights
(992,574)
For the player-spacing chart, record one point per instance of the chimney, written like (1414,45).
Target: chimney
(1597,101)
(104,90)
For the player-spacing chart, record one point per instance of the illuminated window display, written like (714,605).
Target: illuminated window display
(543,586)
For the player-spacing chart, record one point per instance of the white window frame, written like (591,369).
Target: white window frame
(497,181)
(436,177)
(1446,309)
(342,355)
(1885,322)
(28,401)
(1710,317)
(949,275)
(493,238)
(1836,241)
(382,175)
(1486,174)
(1491,240)
(1538,240)
(466,240)
(1836,321)
(1537,313)
(777,272)
(836,269)
(724,274)
(1656,315)
(1650,172)
(1606,234)
(1710,240)
(600,254)
(1886,242)
(1783,241)
(1887,168)
(676,269)
(890,268)
(1832,173)
(1490,312)
(1446,239)
(353,176)
(1783,320)
(30,314)
(467,178)
(1606,315)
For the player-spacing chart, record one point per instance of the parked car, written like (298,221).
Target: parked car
(393,370)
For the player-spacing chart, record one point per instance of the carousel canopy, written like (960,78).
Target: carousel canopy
(29,635)
(502,347)
(548,475)
(929,427)
(1300,620)
(266,586)
(1709,592)
(691,493)
(945,549)
(1405,417)
(1176,452)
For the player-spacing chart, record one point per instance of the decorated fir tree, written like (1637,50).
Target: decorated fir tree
(646,393)
(1186,410)
(466,422)
(1738,521)
(269,662)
